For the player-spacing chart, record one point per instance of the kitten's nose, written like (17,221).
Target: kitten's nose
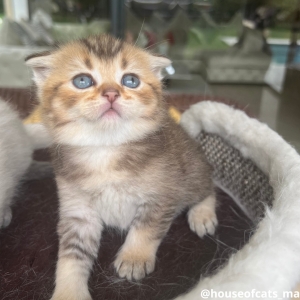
(111,95)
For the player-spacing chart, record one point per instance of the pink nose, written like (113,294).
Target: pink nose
(111,95)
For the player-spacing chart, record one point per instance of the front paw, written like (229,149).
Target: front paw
(202,217)
(5,217)
(204,223)
(133,264)
(71,295)
(68,297)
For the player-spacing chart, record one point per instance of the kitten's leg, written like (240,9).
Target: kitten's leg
(136,258)
(79,232)
(202,217)
(6,196)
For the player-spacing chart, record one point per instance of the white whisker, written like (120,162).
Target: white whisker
(139,32)
(155,44)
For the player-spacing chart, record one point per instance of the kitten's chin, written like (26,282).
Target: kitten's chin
(110,114)
(104,132)
(106,113)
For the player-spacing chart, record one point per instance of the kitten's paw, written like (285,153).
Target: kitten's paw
(5,217)
(71,294)
(65,297)
(134,265)
(65,291)
(202,218)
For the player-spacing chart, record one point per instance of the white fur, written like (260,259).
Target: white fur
(83,133)
(119,201)
(38,135)
(17,143)
(271,259)
(202,217)
(117,208)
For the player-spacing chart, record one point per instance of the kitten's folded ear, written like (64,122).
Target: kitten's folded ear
(158,63)
(40,63)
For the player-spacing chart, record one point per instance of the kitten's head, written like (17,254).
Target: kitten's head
(99,91)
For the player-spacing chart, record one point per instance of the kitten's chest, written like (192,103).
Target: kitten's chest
(99,173)
(118,205)
(113,190)
(93,168)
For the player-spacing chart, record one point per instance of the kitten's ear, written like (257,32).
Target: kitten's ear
(40,64)
(158,63)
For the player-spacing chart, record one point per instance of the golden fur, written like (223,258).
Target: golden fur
(134,168)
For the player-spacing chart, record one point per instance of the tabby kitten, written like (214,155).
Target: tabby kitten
(119,159)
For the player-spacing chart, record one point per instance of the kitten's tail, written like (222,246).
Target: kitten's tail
(38,135)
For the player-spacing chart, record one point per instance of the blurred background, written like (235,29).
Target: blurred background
(242,52)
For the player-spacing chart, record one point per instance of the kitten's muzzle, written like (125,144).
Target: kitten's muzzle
(111,94)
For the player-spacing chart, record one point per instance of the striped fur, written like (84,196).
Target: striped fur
(136,170)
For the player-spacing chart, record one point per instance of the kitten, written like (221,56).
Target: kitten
(17,143)
(119,158)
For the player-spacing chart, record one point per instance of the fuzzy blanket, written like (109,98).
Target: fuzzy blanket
(270,261)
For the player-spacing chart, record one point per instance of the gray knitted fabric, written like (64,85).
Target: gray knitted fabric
(240,176)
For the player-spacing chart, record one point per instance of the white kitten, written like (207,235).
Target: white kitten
(17,143)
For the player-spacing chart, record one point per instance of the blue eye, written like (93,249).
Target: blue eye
(130,81)
(82,81)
